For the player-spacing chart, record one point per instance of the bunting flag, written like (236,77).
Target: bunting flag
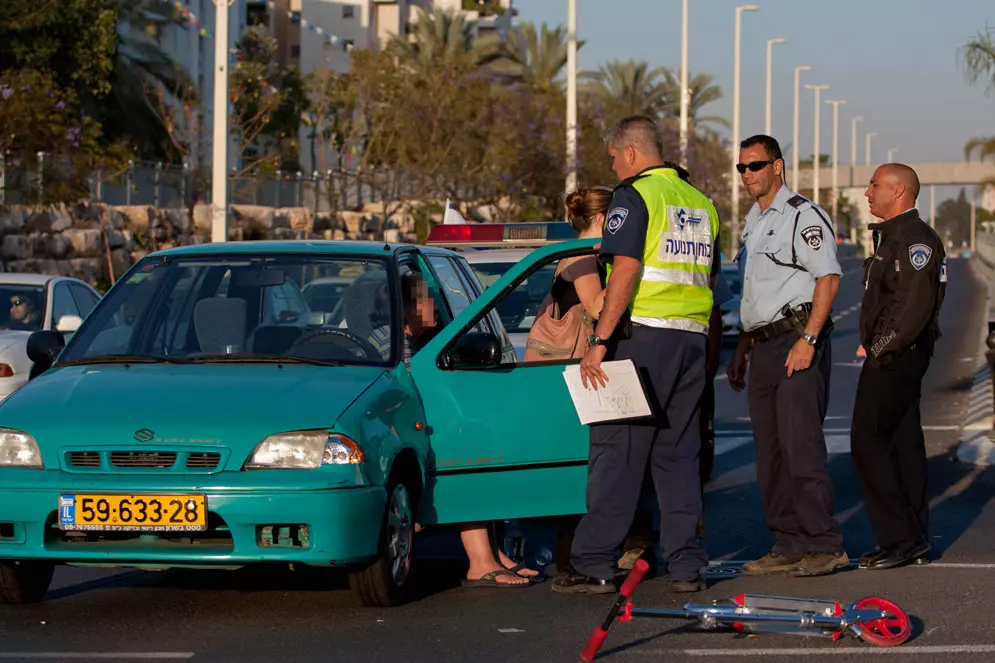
(193,20)
(451,216)
(327,36)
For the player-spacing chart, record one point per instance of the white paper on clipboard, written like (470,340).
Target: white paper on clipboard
(622,398)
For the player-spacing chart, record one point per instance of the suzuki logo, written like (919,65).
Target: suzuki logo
(144,435)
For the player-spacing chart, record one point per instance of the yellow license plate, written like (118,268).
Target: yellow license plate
(133,513)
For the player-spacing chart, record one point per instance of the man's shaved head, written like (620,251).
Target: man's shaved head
(894,189)
(634,143)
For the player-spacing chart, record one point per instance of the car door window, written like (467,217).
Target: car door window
(457,291)
(492,320)
(63,303)
(85,300)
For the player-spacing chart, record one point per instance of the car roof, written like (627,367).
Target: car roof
(495,255)
(289,246)
(24,278)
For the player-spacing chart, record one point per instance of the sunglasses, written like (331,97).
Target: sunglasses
(754,166)
(16,302)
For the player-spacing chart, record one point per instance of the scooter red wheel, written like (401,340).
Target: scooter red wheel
(889,631)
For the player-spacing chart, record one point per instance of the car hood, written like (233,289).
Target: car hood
(233,406)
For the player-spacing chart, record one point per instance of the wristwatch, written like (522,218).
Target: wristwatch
(594,340)
(811,339)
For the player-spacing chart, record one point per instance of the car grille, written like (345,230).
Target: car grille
(144,459)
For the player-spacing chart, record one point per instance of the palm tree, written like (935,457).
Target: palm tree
(702,93)
(979,59)
(985,147)
(629,87)
(443,37)
(534,56)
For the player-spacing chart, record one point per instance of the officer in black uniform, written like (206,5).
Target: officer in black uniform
(904,285)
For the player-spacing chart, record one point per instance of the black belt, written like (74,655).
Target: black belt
(780,327)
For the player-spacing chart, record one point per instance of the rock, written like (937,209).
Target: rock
(86,241)
(15,247)
(338,234)
(353,223)
(178,219)
(115,238)
(87,269)
(299,217)
(58,246)
(137,216)
(372,224)
(392,235)
(12,220)
(202,217)
(121,261)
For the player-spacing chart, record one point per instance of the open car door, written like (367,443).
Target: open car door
(505,439)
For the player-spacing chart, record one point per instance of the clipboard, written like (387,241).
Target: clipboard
(623,397)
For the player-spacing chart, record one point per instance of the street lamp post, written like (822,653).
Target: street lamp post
(770,45)
(853,148)
(734,216)
(891,154)
(571,95)
(684,84)
(867,148)
(836,154)
(219,164)
(794,144)
(816,161)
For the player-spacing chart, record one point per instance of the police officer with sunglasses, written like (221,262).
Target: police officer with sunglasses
(790,275)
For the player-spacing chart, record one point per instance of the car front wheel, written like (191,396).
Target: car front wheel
(24,581)
(387,582)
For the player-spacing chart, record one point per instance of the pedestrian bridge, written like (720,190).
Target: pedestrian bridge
(937,173)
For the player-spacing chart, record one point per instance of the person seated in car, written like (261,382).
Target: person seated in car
(489,567)
(23,312)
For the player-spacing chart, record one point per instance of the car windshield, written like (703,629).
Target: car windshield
(23,306)
(518,310)
(229,308)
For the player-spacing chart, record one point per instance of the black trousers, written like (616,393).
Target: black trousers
(787,415)
(889,450)
(672,367)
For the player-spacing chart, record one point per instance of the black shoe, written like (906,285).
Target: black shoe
(901,555)
(697,584)
(579,583)
(873,555)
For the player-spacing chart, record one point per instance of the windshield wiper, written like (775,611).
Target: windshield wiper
(122,359)
(258,357)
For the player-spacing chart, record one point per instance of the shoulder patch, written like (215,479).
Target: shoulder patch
(616,217)
(797,201)
(813,237)
(919,255)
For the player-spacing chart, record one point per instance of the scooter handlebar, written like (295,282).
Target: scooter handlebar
(634,578)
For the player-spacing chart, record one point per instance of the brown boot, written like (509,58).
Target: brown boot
(771,563)
(820,564)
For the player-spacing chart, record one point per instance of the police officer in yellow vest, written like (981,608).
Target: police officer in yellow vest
(661,238)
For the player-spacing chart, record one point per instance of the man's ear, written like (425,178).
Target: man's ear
(779,167)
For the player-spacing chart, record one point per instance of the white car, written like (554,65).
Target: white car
(58,302)
(519,309)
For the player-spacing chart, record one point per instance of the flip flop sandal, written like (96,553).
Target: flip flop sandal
(490,580)
(519,567)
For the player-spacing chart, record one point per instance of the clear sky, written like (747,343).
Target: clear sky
(895,62)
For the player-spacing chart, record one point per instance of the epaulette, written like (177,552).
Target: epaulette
(629,181)
(798,200)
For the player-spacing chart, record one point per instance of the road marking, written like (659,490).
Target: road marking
(836,651)
(156,655)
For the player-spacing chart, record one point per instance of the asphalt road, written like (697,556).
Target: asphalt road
(275,614)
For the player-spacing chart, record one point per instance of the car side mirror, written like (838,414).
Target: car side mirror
(68,323)
(43,347)
(473,350)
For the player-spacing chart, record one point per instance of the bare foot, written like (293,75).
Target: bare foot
(502,578)
(509,563)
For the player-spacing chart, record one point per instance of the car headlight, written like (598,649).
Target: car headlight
(18,449)
(304,450)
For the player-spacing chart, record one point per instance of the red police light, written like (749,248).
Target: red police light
(477,232)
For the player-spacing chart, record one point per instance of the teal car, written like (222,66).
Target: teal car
(204,415)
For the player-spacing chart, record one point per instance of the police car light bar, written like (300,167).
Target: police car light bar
(525,233)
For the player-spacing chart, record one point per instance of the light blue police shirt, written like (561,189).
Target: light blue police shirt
(772,275)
